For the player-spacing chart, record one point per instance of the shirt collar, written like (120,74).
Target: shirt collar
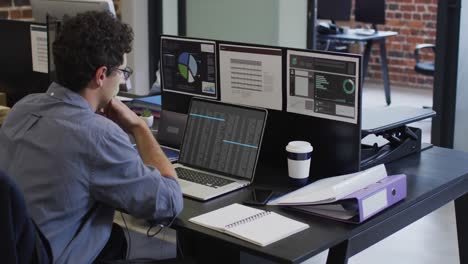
(68,96)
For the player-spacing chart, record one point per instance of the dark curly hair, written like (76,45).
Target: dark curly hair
(86,42)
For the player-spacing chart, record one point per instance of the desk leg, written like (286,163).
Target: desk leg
(366,58)
(383,62)
(461,214)
(338,254)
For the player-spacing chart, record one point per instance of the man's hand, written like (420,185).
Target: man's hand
(122,115)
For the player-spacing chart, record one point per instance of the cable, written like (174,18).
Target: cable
(161,227)
(129,238)
(148,232)
(179,249)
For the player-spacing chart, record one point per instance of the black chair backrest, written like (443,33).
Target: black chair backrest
(424,67)
(22,241)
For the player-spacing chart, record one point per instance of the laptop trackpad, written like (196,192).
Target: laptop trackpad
(185,185)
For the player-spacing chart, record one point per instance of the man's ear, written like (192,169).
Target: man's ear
(100,75)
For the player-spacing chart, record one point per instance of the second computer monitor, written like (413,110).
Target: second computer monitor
(23,59)
(370,11)
(189,66)
(334,9)
(59,9)
(251,75)
(323,85)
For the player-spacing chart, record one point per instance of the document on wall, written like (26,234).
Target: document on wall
(251,75)
(39,48)
(323,85)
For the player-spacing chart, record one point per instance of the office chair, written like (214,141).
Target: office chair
(22,241)
(424,67)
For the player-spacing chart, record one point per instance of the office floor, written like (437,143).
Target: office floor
(430,240)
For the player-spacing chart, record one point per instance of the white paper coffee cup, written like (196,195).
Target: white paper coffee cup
(299,155)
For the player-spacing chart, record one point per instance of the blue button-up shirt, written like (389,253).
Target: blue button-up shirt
(74,168)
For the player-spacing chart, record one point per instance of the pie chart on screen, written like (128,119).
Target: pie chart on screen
(187,67)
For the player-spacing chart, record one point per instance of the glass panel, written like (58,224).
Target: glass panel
(267,22)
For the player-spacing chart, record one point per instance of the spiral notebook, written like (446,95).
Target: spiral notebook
(250,224)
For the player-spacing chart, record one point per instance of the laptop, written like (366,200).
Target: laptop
(220,148)
(171,132)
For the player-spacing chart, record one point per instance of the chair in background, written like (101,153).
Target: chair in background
(421,66)
(22,241)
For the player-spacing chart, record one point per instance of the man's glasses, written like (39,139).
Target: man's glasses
(126,72)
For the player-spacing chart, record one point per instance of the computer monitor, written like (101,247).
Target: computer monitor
(53,12)
(334,9)
(370,11)
(189,67)
(323,85)
(23,59)
(251,75)
(59,8)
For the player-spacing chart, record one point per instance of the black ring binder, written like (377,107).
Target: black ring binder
(247,220)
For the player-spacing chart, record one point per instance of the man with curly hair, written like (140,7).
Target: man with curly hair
(69,151)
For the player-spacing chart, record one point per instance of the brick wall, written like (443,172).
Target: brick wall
(414,20)
(15,9)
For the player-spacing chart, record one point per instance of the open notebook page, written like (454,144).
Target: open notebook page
(267,229)
(224,216)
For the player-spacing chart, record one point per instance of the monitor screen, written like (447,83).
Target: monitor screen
(59,8)
(251,75)
(370,11)
(23,59)
(334,9)
(323,85)
(189,66)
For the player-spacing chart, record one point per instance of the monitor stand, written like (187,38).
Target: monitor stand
(376,30)
(391,124)
(337,28)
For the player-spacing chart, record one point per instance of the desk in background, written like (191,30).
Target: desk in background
(379,37)
(435,177)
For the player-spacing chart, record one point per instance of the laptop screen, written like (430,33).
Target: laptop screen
(223,138)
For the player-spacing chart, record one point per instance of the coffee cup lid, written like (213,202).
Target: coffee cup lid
(299,147)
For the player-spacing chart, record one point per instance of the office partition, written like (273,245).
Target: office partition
(23,59)
(311,96)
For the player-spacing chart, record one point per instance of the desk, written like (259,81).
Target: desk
(435,177)
(378,119)
(379,37)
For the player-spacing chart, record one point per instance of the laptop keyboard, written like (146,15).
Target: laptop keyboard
(201,178)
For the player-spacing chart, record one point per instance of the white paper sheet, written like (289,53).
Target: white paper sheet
(251,76)
(39,49)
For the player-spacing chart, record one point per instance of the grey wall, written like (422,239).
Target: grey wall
(461,110)
(135,13)
(292,23)
(170,22)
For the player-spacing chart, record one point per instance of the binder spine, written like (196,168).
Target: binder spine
(248,219)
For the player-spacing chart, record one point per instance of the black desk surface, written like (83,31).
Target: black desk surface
(435,177)
(351,35)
